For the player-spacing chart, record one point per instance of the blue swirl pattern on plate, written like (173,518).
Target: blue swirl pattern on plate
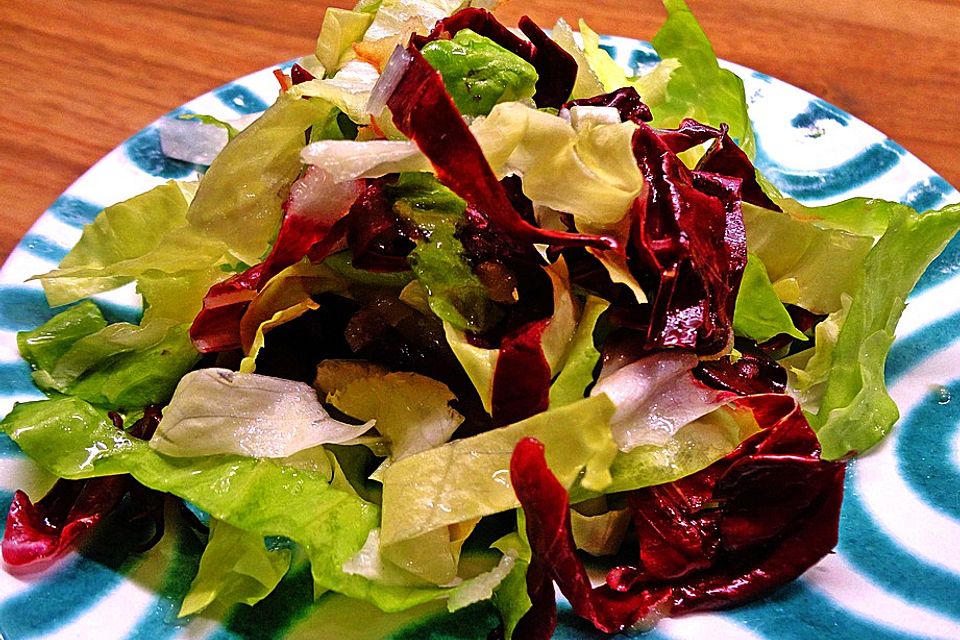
(885,581)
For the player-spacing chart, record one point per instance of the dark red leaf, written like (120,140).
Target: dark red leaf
(217,326)
(39,533)
(723,157)
(750,374)
(625,100)
(557,70)
(312,225)
(688,247)
(300,75)
(375,235)
(424,112)
(521,380)
(731,533)
(545,504)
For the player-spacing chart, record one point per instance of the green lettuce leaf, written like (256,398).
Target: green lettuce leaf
(477,584)
(598,73)
(118,365)
(587,83)
(469,478)
(236,567)
(342,264)
(693,447)
(454,293)
(340,29)
(808,370)
(511,598)
(759,314)
(856,411)
(238,201)
(599,534)
(348,92)
(144,239)
(218,411)
(46,344)
(410,410)
(809,262)
(576,373)
(698,88)
(478,73)
(75,440)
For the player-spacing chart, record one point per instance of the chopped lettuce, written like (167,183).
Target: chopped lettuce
(576,374)
(693,447)
(410,410)
(759,314)
(809,264)
(856,411)
(231,130)
(73,439)
(239,199)
(698,88)
(454,292)
(117,365)
(599,534)
(479,73)
(511,597)
(236,567)
(349,91)
(44,346)
(145,239)
(340,29)
(656,396)
(469,478)
(218,411)
(587,83)
(808,370)
(856,260)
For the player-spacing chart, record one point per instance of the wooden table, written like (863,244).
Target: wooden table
(77,77)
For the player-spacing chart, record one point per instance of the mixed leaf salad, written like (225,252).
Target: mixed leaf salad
(469,315)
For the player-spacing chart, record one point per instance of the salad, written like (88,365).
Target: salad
(470,316)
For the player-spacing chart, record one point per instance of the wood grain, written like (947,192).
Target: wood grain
(77,77)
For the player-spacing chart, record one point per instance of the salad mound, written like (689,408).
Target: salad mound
(469,316)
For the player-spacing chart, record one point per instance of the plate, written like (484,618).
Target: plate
(896,570)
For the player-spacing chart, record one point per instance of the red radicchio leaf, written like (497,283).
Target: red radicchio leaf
(546,506)
(424,112)
(556,69)
(375,234)
(731,533)
(625,100)
(38,533)
(312,225)
(521,380)
(299,75)
(723,157)
(750,374)
(690,247)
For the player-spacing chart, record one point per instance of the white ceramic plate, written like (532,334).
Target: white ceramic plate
(896,571)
